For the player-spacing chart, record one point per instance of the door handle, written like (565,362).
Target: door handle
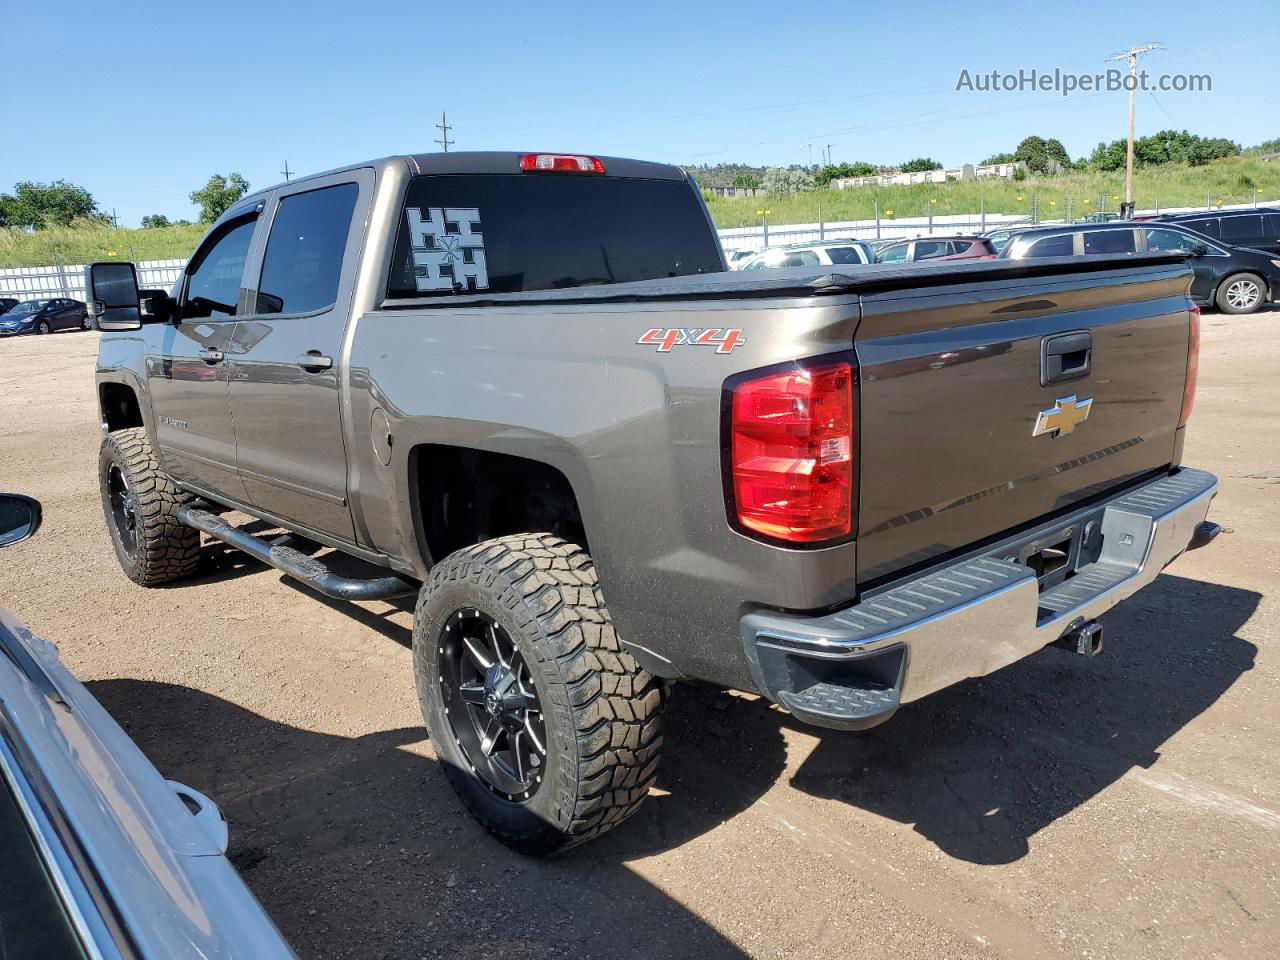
(1067,356)
(314,360)
(211,356)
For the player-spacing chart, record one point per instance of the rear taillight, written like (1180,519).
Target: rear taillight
(1193,367)
(791,443)
(560,163)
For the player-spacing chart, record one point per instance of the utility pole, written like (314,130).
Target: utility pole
(811,156)
(444,128)
(1131,55)
(828,154)
(287,172)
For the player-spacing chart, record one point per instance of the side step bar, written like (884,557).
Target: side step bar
(295,563)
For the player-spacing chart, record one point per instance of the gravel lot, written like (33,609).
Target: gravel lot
(1127,806)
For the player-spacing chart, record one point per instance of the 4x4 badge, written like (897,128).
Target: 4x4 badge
(1063,417)
(723,339)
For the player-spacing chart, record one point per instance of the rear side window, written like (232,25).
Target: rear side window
(214,274)
(303,262)
(1109,241)
(1059,246)
(506,233)
(1241,229)
(800,258)
(844,255)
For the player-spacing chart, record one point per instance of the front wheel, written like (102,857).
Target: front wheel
(43,327)
(141,507)
(86,322)
(1242,293)
(547,729)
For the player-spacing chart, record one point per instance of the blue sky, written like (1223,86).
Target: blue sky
(141,102)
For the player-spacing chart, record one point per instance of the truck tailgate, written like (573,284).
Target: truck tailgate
(951,394)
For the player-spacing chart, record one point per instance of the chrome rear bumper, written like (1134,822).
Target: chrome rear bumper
(851,669)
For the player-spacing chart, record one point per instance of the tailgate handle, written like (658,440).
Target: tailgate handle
(1065,357)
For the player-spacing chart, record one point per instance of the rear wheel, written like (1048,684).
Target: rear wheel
(1242,293)
(141,503)
(547,729)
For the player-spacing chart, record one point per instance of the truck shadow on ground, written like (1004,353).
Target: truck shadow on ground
(979,768)
(357,847)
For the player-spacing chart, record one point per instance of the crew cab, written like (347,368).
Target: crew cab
(524,388)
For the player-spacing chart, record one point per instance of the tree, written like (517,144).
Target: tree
(997,158)
(920,165)
(154,220)
(838,170)
(216,196)
(1042,156)
(37,205)
(746,180)
(782,182)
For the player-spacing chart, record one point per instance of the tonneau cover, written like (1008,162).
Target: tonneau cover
(803,281)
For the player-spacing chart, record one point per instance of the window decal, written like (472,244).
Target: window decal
(444,259)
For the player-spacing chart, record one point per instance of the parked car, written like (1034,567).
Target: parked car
(812,255)
(528,391)
(44,316)
(1258,229)
(7,304)
(937,248)
(736,258)
(102,856)
(1234,279)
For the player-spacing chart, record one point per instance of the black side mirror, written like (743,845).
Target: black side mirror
(1199,249)
(112,290)
(19,518)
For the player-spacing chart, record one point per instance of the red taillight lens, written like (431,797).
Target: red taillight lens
(791,453)
(1193,367)
(560,163)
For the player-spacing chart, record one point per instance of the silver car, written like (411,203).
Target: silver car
(102,857)
(831,253)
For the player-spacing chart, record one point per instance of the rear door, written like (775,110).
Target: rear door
(186,369)
(285,363)
(954,385)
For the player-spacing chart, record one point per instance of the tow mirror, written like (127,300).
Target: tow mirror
(19,518)
(112,290)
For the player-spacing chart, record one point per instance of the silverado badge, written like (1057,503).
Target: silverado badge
(1063,417)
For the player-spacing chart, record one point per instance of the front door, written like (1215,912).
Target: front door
(186,369)
(286,361)
(1204,269)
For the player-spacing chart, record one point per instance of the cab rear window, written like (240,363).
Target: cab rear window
(507,233)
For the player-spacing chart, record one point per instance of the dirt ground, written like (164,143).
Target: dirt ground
(1126,806)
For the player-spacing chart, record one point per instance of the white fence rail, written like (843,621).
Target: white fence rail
(67,280)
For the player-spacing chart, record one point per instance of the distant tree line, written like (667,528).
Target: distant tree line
(35,206)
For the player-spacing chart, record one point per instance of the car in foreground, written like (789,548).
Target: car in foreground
(525,389)
(1256,228)
(812,255)
(1236,280)
(102,857)
(937,248)
(44,316)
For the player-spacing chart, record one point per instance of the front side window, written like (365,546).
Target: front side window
(894,254)
(1062,245)
(303,263)
(1109,241)
(1241,229)
(844,255)
(215,272)
(1208,226)
(1159,239)
(800,258)
(929,249)
(505,233)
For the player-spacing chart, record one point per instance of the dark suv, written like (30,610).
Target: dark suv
(1234,279)
(1258,228)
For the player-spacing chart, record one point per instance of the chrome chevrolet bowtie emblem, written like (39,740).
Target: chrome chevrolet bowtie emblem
(1063,417)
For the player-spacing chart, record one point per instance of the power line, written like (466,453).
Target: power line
(444,128)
